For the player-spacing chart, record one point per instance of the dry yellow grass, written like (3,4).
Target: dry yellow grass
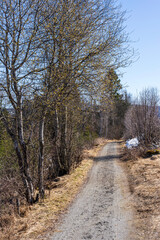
(144,181)
(41,218)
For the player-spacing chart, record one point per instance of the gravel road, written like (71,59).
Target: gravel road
(102,210)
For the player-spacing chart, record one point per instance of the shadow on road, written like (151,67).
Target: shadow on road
(106,158)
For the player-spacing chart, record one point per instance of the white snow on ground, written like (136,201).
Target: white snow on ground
(132,143)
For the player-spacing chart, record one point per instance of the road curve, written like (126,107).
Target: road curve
(102,210)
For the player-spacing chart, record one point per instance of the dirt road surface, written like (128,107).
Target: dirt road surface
(102,210)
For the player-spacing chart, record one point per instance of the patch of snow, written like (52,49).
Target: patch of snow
(132,143)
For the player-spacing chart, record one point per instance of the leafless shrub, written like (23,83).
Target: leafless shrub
(10,190)
(142,119)
(132,154)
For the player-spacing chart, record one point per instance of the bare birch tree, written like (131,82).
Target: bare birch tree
(85,39)
(19,24)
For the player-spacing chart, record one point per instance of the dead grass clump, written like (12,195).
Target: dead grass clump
(23,211)
(99,141)
(10,190)
(6,221)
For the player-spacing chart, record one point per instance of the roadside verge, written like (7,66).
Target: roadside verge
(144,182)
(40,218)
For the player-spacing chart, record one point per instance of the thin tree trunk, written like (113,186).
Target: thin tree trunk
(63,143)
(106,123)
(101,124)
(24,172)
(41,158)
(57,124)
(28,179)
(57,135)
(23,164)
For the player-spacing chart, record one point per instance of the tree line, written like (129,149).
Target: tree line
(58,82)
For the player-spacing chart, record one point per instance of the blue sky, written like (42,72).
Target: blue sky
(144,23)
